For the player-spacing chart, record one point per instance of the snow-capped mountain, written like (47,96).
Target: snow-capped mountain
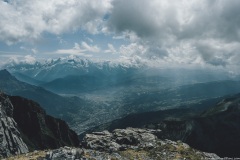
(93,74)
(72,65)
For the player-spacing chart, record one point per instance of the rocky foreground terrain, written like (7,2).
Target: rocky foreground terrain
(121,144)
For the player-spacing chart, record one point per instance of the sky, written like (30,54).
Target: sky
(166,32)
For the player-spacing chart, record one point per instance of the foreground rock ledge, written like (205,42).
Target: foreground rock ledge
(123,144)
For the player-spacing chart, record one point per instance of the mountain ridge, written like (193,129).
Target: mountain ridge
(51,102)
(25,127)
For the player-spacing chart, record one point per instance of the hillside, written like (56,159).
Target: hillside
(26,127)
(53,104)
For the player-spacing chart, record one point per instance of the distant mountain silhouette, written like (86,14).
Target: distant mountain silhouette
(51,102)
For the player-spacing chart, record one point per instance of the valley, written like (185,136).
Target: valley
(87,94)
(94,97)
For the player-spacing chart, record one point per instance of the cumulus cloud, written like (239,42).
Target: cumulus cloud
(176,31)
(76,50)
(132,49)
(83,49)
(111,49)
(23,20)
(180,19)
(16,59)
(181,31)
(29,59)
(90,48)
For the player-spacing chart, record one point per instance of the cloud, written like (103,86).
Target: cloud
(205,32)
(61,40)
(29,59)
(180,31)
(180,19)
(132,49)
(16,59)
(89,40)
(26,19)
(82,49)
(111,49)
(29,50)
(141,16)
(90,48)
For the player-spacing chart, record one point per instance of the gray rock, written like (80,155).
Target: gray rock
(120,139)
(125,144)
(11,142)
(68,153)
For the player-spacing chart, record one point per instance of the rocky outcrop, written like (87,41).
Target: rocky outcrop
(122,144)
(10,139)
(121,139)
(125,144)
(41,131)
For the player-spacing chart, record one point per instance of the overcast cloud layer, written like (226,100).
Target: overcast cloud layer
(204,32)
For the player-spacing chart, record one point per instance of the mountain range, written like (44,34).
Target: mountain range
(52,69)
(58,68)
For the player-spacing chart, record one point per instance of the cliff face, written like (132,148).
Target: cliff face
(25,126)
(10,139)
(41,131)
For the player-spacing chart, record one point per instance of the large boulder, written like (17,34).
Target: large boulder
(121,139)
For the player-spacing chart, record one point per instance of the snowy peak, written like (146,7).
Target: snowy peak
(73,61)
(72,65)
